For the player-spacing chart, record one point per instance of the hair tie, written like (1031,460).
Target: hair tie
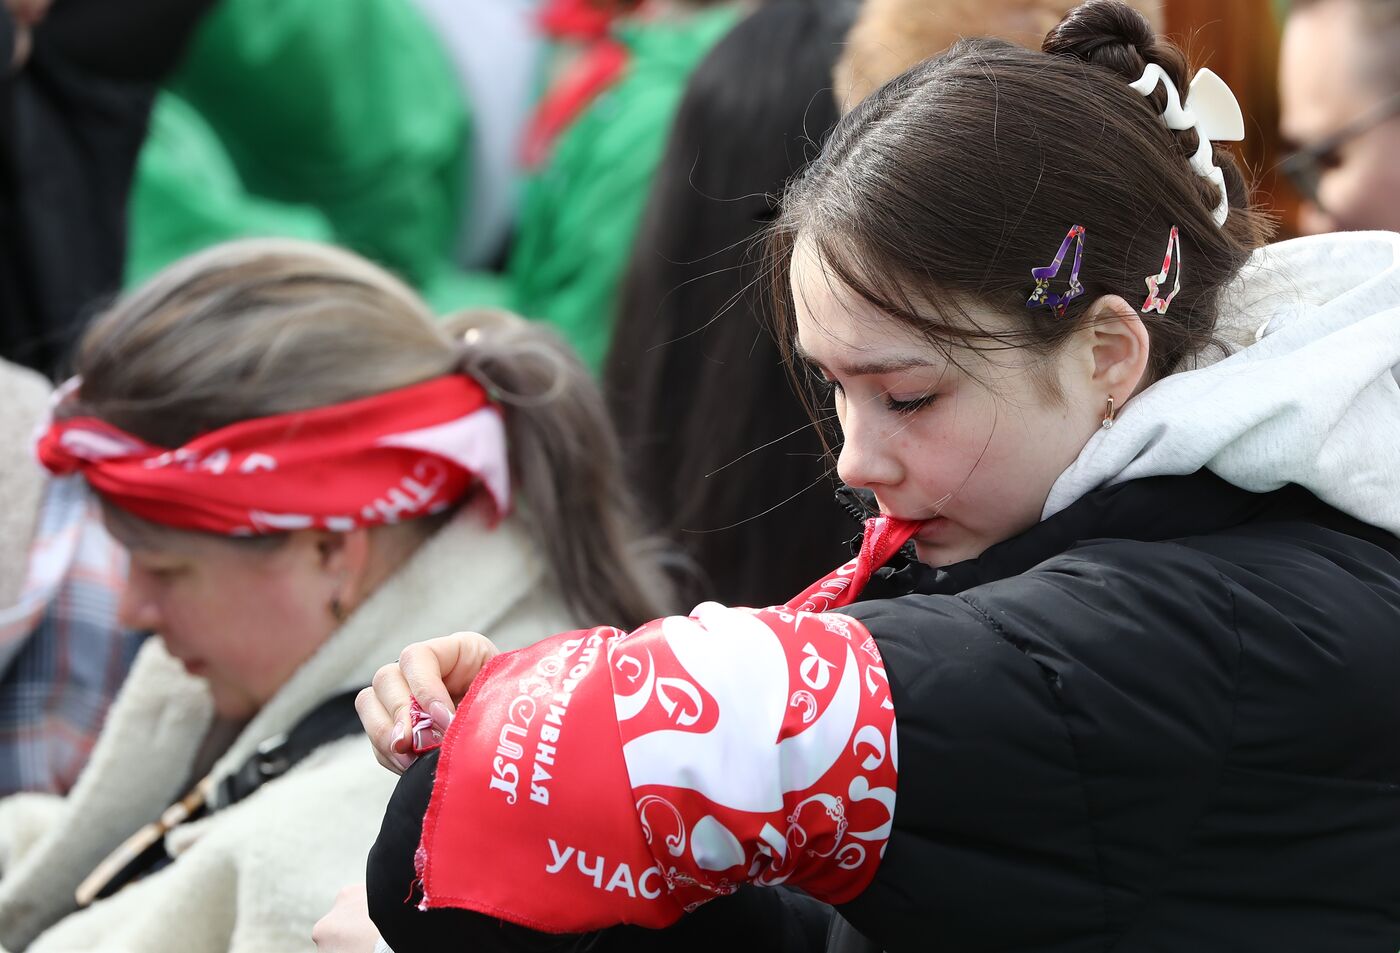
(1214,114)
(466,346)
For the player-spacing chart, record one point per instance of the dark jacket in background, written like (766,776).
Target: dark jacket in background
(72,121)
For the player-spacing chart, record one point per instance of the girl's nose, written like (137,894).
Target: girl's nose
(867,459)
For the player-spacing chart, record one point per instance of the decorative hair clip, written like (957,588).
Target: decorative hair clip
(1154,282)
(1214,114)
(1042,296)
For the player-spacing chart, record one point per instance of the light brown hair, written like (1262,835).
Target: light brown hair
(262,327)
(890,36)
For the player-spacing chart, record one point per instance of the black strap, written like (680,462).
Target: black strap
(333,719)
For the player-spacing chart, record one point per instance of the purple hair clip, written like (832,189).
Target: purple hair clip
(1042,296)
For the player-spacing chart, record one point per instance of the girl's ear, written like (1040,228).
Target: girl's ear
(1119,345)
(344,559)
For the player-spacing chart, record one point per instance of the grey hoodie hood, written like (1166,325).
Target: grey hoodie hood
(1306,394)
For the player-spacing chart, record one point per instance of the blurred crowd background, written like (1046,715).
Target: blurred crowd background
(601,166)
(491,152)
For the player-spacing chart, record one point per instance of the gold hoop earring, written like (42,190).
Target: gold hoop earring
(1108,418)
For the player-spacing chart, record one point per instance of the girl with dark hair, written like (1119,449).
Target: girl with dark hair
(1137,692)
(718,444)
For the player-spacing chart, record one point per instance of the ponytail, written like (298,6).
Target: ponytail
(566,466)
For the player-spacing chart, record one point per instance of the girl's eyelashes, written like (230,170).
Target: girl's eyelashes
(829,387)
(909,406)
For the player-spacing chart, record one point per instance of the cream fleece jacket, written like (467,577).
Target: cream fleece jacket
(257,875)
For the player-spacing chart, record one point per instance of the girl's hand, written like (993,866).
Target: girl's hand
(438,673)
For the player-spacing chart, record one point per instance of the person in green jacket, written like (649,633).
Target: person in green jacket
(340,122)
(581,209)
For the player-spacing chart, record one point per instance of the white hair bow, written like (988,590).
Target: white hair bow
(1214,114)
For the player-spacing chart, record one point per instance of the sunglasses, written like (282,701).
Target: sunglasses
(1306,166)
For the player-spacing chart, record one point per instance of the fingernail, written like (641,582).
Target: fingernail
(404,761)
(399,734)
(442,715)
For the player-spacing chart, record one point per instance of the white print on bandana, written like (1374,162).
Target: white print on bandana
(832,589)
(215,462)
(748,707)
(806,694)
(649,884)
(535,691)
(91,445)
(413,496)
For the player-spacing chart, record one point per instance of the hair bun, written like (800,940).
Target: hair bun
(1112,35)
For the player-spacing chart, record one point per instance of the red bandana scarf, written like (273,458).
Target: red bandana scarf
(601,777)
(381,459)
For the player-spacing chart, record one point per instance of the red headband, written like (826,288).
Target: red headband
(383,459)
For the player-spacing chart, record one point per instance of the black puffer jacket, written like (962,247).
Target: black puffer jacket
(1165,719)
